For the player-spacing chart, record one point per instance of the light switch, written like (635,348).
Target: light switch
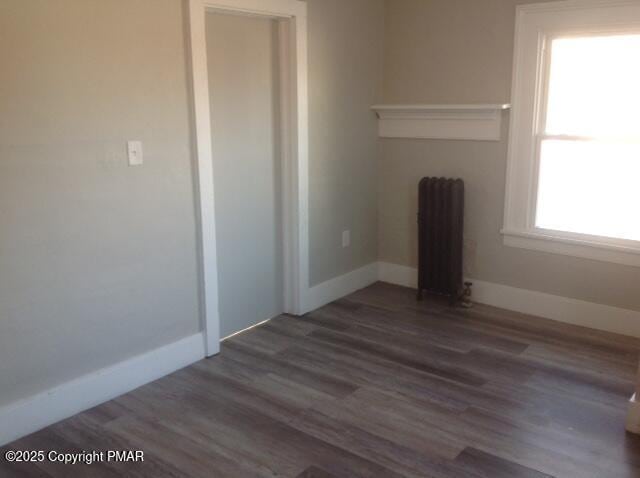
(134,153)
(346,238)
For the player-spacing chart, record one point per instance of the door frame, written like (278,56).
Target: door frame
(291,16)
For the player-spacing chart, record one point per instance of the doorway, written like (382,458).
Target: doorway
(243,66)
(291,19)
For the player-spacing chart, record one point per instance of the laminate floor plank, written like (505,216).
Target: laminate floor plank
(407,461)
(263,438)
(429,436)
(368,370)
(490,466)
(435,367)
(83,429)
(323,381)
(561,357)
(431,327)
(315,472)
(458,428)
(549,435)
(290,325)
(373,385)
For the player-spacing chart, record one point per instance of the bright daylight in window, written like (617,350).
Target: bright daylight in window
(589,170)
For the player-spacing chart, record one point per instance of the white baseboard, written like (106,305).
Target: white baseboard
(633,418)
(562,309)
(36,412)
(397,274)
(334,289)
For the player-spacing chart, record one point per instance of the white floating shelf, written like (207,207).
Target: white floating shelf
(467,122)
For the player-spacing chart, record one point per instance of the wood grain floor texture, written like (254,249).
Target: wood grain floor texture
(375,385)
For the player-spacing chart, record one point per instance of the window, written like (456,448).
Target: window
(573,184)
(590,146)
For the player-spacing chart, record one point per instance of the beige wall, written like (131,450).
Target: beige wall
(460,51)
(98,260)
(345,69)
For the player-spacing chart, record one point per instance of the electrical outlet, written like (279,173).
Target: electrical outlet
(346,238)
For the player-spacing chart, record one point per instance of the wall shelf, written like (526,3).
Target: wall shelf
(480,122)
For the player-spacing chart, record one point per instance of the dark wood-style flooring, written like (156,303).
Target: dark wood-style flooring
(375,385)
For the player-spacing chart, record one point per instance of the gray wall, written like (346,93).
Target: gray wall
(97,259)
(345,69)
(243,84)
(460,51)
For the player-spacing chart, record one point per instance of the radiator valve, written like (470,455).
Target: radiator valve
(466,296)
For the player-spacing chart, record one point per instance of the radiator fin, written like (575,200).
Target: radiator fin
(440,232)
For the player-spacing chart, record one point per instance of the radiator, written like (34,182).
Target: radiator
(440,229)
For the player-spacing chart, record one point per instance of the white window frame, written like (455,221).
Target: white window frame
(536,26)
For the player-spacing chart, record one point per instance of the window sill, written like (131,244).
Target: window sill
(584,248)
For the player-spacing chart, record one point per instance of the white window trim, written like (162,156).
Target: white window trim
(536,24)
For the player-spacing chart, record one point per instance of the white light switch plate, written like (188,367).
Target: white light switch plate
(134,153)
(346,238)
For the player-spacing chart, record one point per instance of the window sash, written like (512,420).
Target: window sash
(541,135)
(543,94)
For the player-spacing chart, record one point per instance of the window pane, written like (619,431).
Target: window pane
(590,187)
(594,86)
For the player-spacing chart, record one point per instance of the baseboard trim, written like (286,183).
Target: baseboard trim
(562,309)
(346,284)
(397,274)
(39,411)
(633,418)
